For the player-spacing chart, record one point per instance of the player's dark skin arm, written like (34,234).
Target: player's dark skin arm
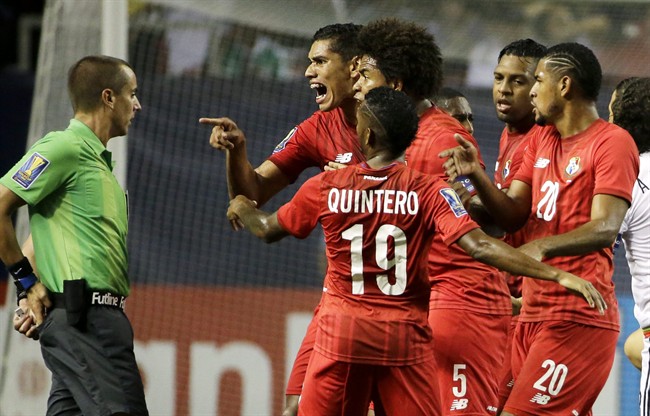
(291,405)
(607,213)
(500,255)
(259,184)
(263,225)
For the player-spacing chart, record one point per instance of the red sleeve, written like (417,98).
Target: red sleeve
(293,154)
(616,163)
(451,219)
(525,171)
(300,215)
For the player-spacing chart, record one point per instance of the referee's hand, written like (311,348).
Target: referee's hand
(24,320)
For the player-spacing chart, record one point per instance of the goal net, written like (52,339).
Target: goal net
(218,315)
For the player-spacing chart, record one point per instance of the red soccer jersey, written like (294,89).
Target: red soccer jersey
(564,176)
(458,281)
(378,226)
(323,137)
(511,154)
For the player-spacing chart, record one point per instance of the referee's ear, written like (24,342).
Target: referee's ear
(108,98)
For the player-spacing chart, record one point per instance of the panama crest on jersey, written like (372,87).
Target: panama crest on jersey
(280,146)
(574,166)
(506,169)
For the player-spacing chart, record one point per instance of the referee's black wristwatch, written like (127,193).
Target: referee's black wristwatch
(24,277)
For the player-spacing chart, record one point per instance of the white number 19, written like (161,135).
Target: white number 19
(354,234)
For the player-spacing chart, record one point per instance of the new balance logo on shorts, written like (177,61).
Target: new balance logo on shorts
(343,158)
(459,404)
(540,398)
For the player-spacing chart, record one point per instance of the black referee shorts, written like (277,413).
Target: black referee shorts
(93,372)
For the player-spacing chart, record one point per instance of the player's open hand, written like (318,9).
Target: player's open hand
(462,160)
(584,288)
(225,133)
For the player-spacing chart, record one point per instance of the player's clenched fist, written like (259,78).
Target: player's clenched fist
(225,133)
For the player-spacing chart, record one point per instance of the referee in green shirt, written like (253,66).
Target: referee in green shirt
(78,221)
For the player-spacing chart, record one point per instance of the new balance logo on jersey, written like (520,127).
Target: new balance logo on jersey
(542,163)
(343,158)
(540,398)
(574,412)
(459,404)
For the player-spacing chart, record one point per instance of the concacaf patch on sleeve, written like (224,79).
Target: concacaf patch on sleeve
(284,141)
(454,201)
(30,170)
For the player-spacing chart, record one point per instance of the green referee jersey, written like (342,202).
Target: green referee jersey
(77,210)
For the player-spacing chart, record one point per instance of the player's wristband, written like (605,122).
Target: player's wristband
(21,269)
(23,284)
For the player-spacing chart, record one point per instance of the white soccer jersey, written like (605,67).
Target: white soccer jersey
(635,231)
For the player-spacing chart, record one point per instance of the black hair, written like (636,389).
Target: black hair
(89,76)
(395,112)
(631,108)
(343,37)
(579,63)
(404,51)
(525,48)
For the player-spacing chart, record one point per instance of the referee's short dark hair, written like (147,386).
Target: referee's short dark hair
(89,76)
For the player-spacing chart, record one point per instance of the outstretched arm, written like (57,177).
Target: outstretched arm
(263,225)
(500,255)
(259,184)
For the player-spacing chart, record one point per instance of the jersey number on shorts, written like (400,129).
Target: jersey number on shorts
(556,373)
(546,206)
(355,235)
(462,380)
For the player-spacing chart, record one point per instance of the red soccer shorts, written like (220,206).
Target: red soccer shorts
(559,367)
(338,388)
(469,349)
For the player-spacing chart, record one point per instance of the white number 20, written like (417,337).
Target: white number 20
(557,374)
(354,234)
(547,206)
